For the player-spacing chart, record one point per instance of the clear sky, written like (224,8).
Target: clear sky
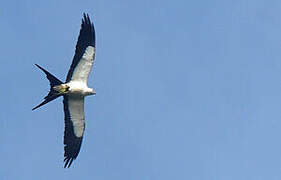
(186,90)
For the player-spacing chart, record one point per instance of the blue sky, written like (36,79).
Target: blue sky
(185,90)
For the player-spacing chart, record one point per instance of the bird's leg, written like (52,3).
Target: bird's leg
(61,89)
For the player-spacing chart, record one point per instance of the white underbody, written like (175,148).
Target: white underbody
(79,88)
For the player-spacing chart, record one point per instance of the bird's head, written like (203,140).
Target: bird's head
(92,91)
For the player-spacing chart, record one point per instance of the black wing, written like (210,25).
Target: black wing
(74,127)
(86,38)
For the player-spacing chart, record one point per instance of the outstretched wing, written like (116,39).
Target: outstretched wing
(84,53)
(74,127)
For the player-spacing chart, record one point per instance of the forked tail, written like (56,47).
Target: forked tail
(52,93)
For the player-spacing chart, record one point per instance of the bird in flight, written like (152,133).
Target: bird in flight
(74,90)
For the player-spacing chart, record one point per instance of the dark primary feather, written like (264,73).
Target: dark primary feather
(53,82)
(72,144)
(86,38)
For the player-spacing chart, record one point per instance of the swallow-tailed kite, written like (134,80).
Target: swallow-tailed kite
(74,90)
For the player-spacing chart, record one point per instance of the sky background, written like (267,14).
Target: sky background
(186,89)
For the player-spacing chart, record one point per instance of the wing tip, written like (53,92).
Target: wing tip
(87,21)
(68,161)
(86,17)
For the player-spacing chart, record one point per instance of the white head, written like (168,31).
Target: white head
(91,91)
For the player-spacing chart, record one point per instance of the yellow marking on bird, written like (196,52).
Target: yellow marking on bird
(61,89)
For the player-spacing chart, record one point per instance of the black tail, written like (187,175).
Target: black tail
(53,82)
